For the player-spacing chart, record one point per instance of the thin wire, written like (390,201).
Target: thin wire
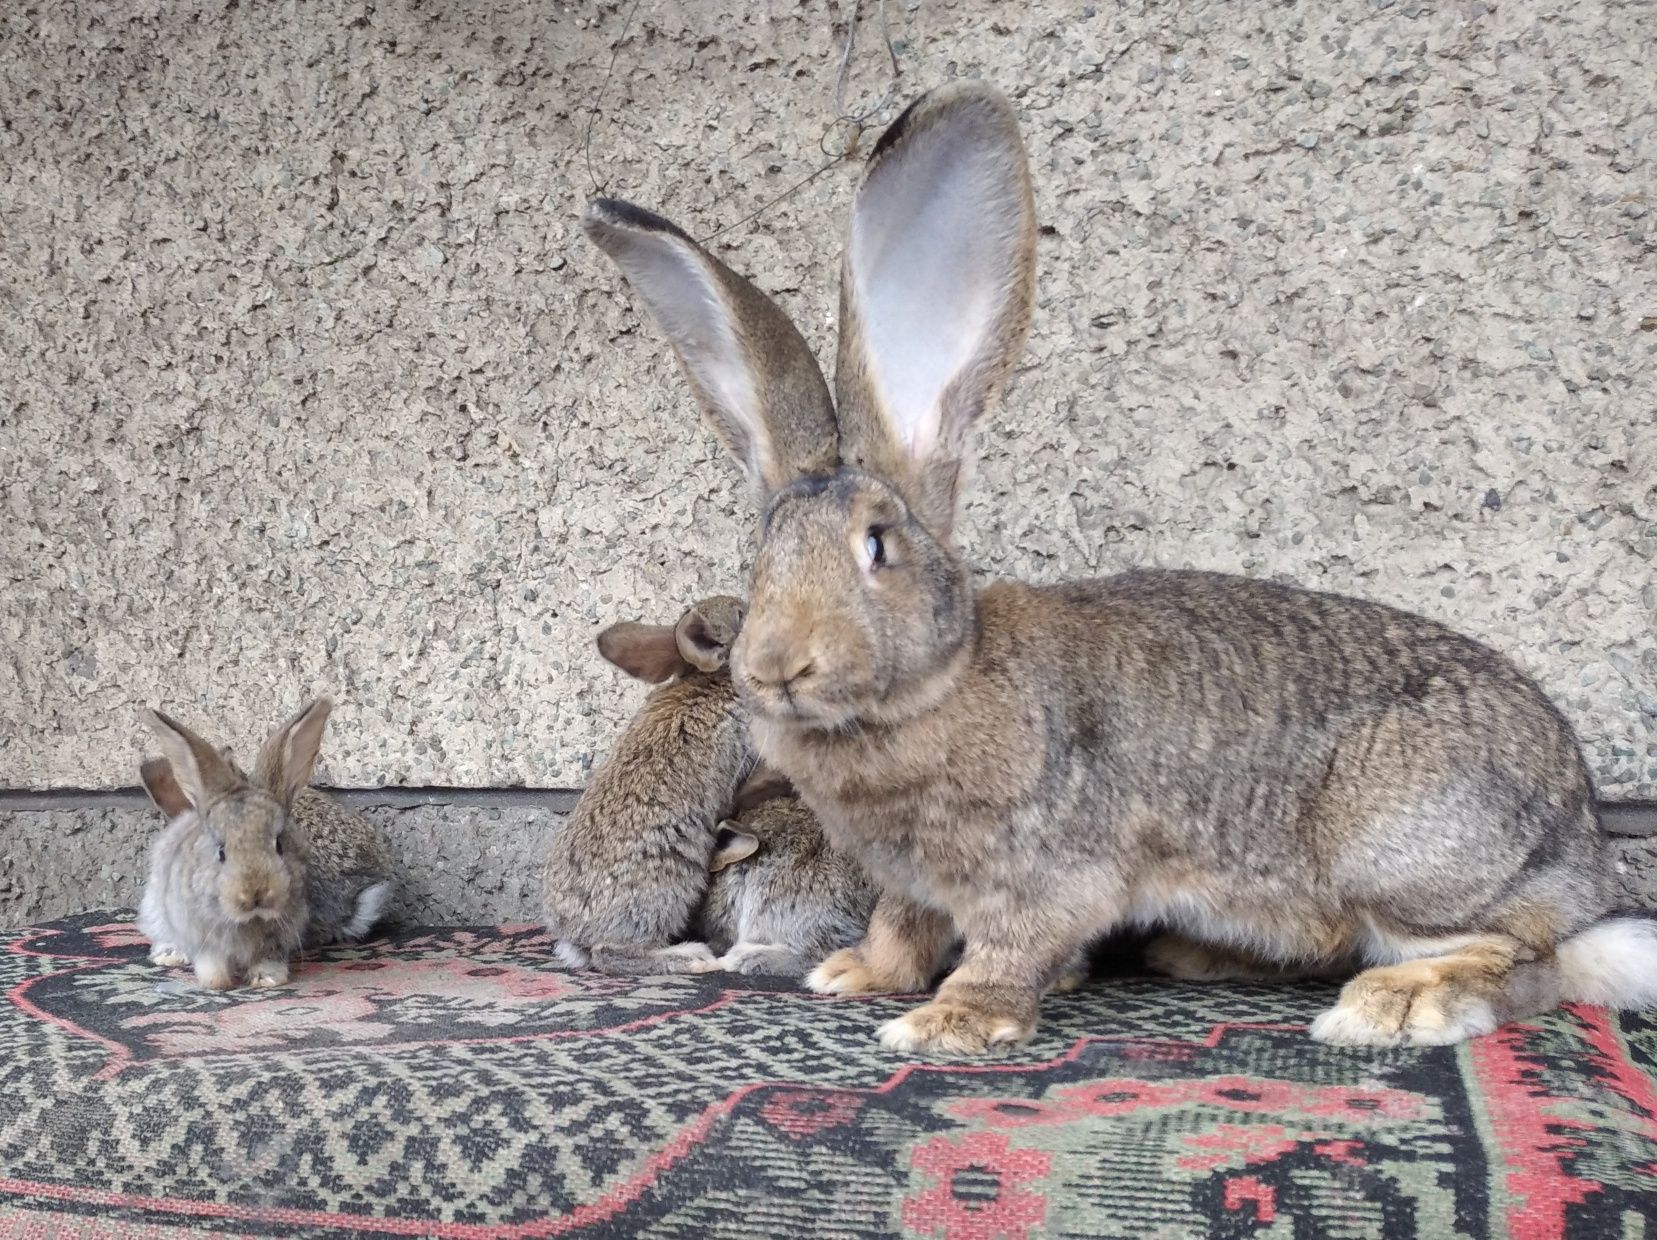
(857,120)
(846,53)
(599,95)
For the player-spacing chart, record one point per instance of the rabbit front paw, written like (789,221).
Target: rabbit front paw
(168,956)
(950,1027)
(771,959)
(268,973)
(214,973)
(846,973)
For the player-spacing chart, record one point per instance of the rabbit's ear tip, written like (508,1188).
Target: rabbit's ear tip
(605,217)
(970,95)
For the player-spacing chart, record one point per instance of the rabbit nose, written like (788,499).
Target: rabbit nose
(253,897)
(780,664)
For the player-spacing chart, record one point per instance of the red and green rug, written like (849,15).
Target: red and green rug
(460,1083)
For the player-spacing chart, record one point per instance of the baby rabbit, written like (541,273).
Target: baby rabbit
(780,899)
(1313,779)
(625,872)
(248,870)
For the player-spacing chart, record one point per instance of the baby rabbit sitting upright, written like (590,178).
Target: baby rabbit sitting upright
(645,858)
(628,867)
(249,870)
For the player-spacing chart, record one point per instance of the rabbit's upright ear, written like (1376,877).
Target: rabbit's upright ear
(163,787)
(199,772)
(757,383)
(648,652)
(288,757)
(936,291)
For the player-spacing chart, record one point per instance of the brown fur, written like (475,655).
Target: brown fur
(1311,779)
(626,871)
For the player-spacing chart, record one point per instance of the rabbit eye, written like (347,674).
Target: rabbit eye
(279,845)
(876,547)
(221,854)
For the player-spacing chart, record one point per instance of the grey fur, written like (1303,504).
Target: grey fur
(629,874)
(791,903)
(350,877)
(323,871)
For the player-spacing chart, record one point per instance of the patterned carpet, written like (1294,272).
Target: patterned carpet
(458,1083)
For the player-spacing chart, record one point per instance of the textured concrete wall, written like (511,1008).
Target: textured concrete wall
(308,382)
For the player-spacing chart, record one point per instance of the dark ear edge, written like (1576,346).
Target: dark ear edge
(754,377)
(200,770)
(937,292)
(163,786)
(648,652)
(288,757)
(697,643)
(732,847)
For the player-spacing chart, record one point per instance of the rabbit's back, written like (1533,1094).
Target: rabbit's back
(631,861)
(349,869)
(1269,759)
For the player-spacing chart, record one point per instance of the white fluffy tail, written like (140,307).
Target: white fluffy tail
(1613,962)
(370,907)
(572,955)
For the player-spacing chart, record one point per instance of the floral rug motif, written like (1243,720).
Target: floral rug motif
(461,1083)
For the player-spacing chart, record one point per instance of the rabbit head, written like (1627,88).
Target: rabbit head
(860,608)
(701,641)
(247,855)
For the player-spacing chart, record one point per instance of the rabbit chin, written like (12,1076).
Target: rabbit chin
(802,710)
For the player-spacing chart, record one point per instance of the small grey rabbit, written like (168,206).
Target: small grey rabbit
(247,871)
(1311,779)
(626,871)
(780,898)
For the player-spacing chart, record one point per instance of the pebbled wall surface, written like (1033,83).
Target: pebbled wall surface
(308,383)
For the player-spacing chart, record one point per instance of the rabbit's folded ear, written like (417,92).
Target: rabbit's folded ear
(731,847)
(706,632)
(648,652)
(163,787)
(757,383)
(199,771)
(936,291)
(288,757)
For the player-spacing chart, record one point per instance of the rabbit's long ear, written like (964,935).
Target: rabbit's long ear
(758,385)
(163,787)
(936,290)
(647,652)
(288,757)
(198,770)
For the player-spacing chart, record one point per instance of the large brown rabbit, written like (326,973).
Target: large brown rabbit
(1308,778)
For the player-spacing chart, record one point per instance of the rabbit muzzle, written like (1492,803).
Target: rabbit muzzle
(255,898)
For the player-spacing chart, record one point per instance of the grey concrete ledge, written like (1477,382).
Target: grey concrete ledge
(1620,817)
(555,800)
